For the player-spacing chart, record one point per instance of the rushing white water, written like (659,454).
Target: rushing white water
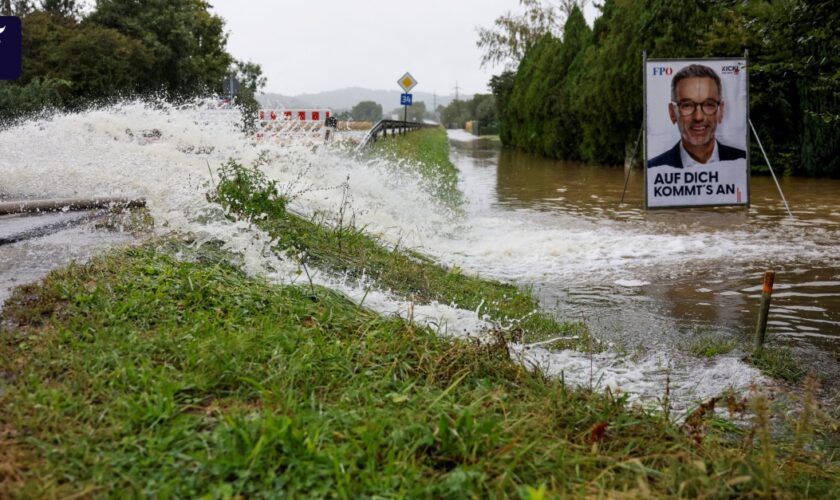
(166,154)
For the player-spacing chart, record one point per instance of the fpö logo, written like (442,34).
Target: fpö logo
(662,70)
(732,69)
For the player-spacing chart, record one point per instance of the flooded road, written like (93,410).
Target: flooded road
(639,276)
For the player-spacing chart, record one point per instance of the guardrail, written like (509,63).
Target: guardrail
(395,126)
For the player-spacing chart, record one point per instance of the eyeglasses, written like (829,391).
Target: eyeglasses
(687,108)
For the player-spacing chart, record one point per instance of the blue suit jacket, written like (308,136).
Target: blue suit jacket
(673,158)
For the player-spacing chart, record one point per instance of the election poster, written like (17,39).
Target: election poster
(696,142)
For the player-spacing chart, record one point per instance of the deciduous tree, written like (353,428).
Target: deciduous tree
(367,111)
(95,62)
(513,34)
(187,41)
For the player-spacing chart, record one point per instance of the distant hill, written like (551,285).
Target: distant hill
(280,101)
(344,99)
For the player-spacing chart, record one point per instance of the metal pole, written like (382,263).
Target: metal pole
(764,310)
(771,169)
(632,160)
(747,167)
(405,113)
(644,125)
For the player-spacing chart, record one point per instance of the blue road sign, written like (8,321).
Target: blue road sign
(405,99)
(10,48)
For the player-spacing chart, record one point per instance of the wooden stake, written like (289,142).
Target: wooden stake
(766,293)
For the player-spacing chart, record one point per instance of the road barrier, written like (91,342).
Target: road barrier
(286,125)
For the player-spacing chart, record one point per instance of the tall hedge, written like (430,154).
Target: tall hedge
(580,97)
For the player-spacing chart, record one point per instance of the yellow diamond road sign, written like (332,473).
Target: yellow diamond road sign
(407,82)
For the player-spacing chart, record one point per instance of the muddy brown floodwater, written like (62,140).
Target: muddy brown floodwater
(639,277)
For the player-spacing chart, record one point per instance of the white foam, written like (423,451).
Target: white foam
(461,135)
(687,379)
(632,283)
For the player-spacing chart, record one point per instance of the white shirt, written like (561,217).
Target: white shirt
(689,162)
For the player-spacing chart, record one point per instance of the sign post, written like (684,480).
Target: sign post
(405,100)
(406,82)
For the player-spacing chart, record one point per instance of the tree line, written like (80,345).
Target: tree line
(371,111)
(480,108)
(170,49)
(578,95)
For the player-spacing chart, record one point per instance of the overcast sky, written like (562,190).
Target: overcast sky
(307,46)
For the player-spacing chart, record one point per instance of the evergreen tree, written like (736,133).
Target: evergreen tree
(582,97)
(794,79)
(502,87)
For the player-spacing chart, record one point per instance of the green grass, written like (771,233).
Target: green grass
(705,344)
(143,375)
(344,249)
(427,152)
(778,362)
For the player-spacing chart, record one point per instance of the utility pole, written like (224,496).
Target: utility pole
(456,89)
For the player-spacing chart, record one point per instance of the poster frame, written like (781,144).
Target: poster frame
(645,60)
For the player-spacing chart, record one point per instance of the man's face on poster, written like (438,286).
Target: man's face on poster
(697,111)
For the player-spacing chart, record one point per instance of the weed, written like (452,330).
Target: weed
(803,428)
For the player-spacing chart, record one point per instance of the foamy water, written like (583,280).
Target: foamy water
(113,152)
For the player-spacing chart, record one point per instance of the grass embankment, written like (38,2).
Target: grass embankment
(328,242)
(427,151)
(143,375)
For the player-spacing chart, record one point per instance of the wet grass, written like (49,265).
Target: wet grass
(335,245)
(140,374)
(424,153)
(779,362)
(706,344)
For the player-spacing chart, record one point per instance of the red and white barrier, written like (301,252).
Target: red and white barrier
(303,115)
(287,125)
